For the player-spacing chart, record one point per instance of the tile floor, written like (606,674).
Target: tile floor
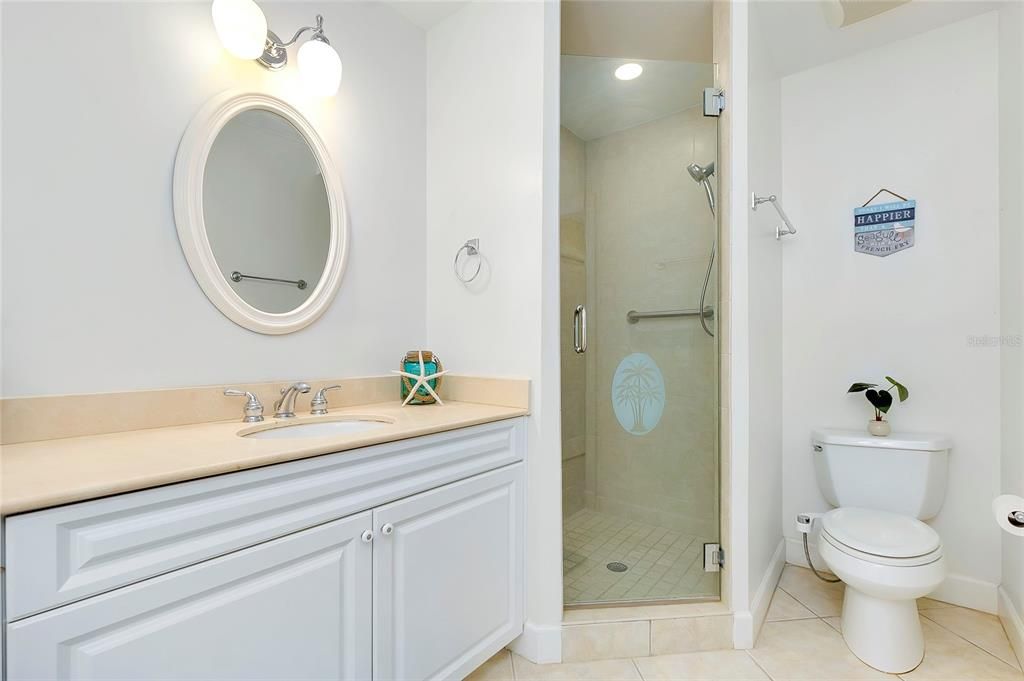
(800,640)
(662,564)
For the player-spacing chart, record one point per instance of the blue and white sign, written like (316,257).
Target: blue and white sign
(885,228)
(638,394)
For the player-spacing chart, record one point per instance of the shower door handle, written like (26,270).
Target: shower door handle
(579,330)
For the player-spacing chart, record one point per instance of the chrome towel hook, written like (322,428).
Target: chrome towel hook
(472,249)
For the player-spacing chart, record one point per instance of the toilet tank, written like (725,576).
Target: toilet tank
(902,473)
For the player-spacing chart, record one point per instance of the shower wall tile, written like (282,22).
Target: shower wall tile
(650,233)
(573,476)
(573,248)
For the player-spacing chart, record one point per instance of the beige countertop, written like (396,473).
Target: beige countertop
(35,475)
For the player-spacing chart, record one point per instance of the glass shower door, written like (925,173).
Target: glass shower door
(640,403)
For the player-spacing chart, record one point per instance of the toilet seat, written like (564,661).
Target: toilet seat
(882,560)
(881,537)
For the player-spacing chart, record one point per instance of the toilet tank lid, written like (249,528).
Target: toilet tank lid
(926,442)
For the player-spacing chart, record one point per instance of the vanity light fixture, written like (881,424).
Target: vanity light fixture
(242,28)
(629,71)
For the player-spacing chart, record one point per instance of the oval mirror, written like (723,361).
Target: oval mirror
(259,212)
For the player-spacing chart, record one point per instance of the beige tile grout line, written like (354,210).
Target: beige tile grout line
(758,664)
(920,613)
(633,660)
(944,628)
(814,615)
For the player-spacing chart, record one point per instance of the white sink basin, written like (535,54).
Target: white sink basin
(316,429)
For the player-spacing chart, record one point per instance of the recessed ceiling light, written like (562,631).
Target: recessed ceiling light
(628,71)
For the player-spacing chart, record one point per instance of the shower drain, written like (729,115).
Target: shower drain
(617,567)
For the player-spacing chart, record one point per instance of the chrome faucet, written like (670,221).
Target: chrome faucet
(253,407)
(284,408)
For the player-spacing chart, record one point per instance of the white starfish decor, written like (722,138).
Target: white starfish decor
(421,381)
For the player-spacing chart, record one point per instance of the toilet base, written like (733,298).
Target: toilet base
(885,634)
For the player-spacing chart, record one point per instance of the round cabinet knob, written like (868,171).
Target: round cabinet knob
(367,536)
(387,528)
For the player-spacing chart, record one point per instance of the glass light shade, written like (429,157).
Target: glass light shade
(320,68)
(241,27)
(628,71)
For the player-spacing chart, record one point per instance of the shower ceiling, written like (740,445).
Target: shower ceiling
(596,104)
(638,29)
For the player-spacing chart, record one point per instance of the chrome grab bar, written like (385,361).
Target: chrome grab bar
(237,276)
(633,316)
(579,330)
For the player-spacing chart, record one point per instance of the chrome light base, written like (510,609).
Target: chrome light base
(274,56)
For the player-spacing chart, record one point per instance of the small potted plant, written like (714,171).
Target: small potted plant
(881,400)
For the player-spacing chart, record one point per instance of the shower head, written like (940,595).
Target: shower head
(701,173)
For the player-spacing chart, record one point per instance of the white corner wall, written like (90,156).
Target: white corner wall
(764,261)
(97,295)
(1011,247)
(492,174)
(917,116)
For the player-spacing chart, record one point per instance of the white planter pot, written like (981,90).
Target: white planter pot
(879,428)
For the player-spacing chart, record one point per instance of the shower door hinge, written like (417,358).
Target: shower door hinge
(714,101)
(714,557)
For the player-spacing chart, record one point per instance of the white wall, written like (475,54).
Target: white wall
(483,160)
(492,174)
(97,295)
(1011,195)
(764,260)
(917,116)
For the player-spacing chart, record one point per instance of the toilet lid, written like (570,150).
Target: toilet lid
(880,533)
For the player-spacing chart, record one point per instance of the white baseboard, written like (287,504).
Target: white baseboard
(1013,622)
(743,630)
(747,623)
(539,643)
(795,553)
(961,590)
(968,592)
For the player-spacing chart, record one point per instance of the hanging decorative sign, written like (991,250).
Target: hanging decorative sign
(884,228)
(638,394)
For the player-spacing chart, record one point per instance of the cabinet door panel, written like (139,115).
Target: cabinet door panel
(447,579)
(294,608)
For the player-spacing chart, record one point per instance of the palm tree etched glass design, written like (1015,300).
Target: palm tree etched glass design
(638,393)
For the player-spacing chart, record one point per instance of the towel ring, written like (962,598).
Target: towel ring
(471,247)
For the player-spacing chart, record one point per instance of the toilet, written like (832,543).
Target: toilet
(875,542)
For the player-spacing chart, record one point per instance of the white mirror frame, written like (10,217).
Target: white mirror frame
(189,168)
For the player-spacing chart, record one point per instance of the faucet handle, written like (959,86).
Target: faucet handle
(318,405)
(253,406)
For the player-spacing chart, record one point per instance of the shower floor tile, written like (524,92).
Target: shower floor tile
(661,564)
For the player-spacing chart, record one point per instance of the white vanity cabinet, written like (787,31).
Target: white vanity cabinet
(446,569)
(298,607)
(397,561)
